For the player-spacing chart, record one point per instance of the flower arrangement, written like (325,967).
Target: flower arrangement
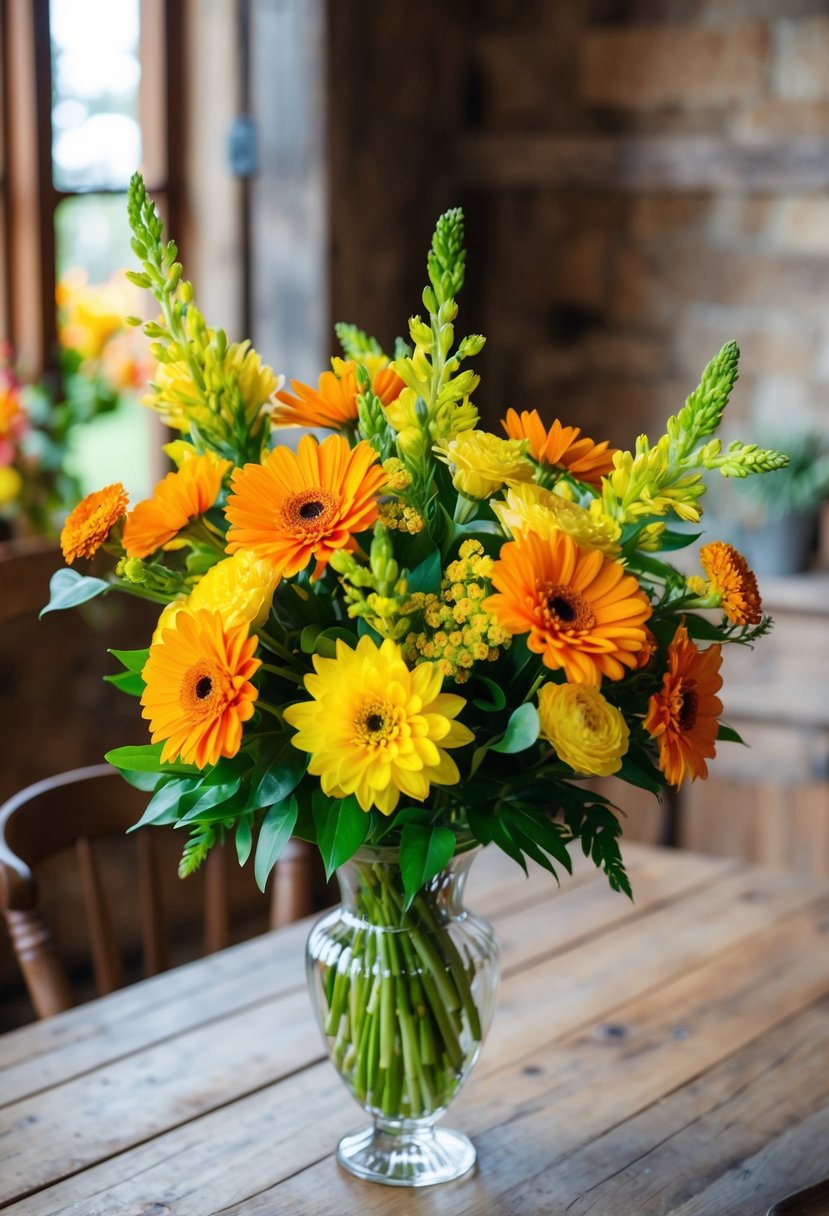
(101,361)
(411,632)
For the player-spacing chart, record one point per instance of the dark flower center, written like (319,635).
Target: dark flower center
(374,722)
(312,509)
(204,687)
(562,608)
(688,712)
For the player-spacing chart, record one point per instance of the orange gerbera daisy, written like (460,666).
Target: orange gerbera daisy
(682,716)
(91,521)
(198,690)
(334,403)
(581,611)
(179,497)
(296,506)
(560,446)
(733,581)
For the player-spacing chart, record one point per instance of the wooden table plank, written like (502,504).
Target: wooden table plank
(740,916)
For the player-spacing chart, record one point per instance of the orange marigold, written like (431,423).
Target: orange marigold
(296,506)
(733,581)
(581,611)
(560,446)
(89,524)
(683,715)
(198,691)
(333,404)
(179,497)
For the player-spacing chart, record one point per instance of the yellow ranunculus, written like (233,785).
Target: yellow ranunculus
(165,621)
(482,463)
(587,732)
(240,587)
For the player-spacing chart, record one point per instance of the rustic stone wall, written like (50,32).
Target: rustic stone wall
(644,182)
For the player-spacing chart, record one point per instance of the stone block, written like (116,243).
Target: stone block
(649,67)
(800,68)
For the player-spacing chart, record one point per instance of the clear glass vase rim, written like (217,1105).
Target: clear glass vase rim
(466,845)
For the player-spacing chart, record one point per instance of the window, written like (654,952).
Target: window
(89,90)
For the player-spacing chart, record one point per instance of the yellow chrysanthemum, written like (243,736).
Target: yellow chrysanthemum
(531,508)
(240,587)
(89,524)
(482,463)
(182,403)
(178,498)
(733,582)
(588,733)
(375,729)
(198,691)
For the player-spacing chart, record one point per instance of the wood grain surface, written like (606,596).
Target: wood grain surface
(663,1057)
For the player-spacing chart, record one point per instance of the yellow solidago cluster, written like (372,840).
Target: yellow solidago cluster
(398,517)
(458,632)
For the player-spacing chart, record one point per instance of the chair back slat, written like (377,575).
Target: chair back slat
(151,906)
(292,893)
(216,911)
(109,973)
(74,810)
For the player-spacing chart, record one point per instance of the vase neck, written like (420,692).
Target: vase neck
(372,889)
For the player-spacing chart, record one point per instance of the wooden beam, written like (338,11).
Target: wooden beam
(655,162)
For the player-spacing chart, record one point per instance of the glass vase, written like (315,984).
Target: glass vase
(404,1000)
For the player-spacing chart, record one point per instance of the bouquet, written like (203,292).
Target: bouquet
(408,633)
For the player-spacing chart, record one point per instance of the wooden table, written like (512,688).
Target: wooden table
(670,1056)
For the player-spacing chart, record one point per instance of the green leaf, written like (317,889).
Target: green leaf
(141,781)
(128,682)
(213,798)
(67,589)
(279,779)
(342,826)
(423,854)
(727,734)
(133,660)
(499,697)
(163,807)
(521,732)
(637,770)
(426,576)
(314,640)
(147,759)
(244,839)
(701,629)
(274,834)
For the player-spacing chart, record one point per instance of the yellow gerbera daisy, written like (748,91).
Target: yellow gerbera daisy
(375,729)
(296,506)
(580,610)
(181,496)
(198,691)
(89,524)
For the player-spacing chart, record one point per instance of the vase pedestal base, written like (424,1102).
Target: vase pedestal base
(406,1154)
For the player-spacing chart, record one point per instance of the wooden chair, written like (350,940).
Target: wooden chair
(74,810)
